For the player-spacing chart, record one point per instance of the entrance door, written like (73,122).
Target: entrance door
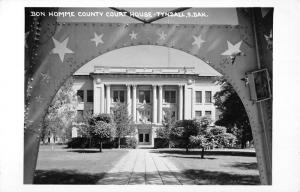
(141,137)
(147,138)
(144,139)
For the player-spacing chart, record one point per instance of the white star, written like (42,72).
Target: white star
(45,77)
(97,39)
(198,41)
(162,35)
(39,99)
(61,48)
(264,11)
(133,35)
(26,36)
(233,50)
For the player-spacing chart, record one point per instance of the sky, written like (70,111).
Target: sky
(148,56)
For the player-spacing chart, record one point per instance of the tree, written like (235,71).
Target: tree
(101,131)
(201,141)
(102,127)
(84,127)
(183,130)
(61,112)
(204,138)
(122,121)
(165,131)
(233,114)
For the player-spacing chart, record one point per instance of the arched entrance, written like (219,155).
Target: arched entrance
(56,50)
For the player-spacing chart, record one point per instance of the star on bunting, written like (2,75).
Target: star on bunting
(39,99)
(233,50)
(269,39)
(45,77)
(198,41)
(26,36)
(133,35)
(264,11)
(97,39)
(162,35)
(61,48)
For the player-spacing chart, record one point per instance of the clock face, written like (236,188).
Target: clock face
(48,28)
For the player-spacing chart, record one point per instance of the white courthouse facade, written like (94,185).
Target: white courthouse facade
(148,93)
(148,90)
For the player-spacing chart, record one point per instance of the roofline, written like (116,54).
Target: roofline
(139,74)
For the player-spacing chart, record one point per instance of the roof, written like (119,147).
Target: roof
(148,56)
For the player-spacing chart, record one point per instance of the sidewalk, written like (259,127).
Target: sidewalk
(141,167)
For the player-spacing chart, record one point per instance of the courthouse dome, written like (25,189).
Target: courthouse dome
(148,56)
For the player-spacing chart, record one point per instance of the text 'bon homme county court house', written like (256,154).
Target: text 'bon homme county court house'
(150,80)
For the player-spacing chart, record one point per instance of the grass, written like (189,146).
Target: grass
(217,168)
(57,165)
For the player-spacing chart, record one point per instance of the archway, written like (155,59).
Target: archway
(60,49)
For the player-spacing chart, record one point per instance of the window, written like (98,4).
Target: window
(198,114)
(207,113)
(80,95)
(198,96)
(144,96)
(207,96)
(79,115)
(90,96)
(170,96)
(118,96)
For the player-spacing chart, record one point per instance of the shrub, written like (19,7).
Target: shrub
(218,130)
(161,143)
(78,142)
(131,142)
(221,138)
(84,142)
(226,140)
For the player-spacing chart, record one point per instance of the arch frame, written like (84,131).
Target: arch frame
(48,71)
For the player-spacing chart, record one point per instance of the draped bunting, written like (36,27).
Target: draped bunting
(62,48)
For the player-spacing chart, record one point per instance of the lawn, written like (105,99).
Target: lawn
(219,167)
(58,165)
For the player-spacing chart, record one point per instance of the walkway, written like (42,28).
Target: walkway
(142,167)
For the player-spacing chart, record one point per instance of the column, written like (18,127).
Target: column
(193,101)
(213,108)
(154,103)
(108,98)
(134,103)
(160,104)
(97,95)
(128,99)
(180,103)
(102,103)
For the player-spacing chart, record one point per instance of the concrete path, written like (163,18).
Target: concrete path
(143,167)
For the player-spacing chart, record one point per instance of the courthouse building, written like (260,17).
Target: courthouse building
(150,81)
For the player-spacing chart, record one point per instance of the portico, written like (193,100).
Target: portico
(145,102)
(148,93)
